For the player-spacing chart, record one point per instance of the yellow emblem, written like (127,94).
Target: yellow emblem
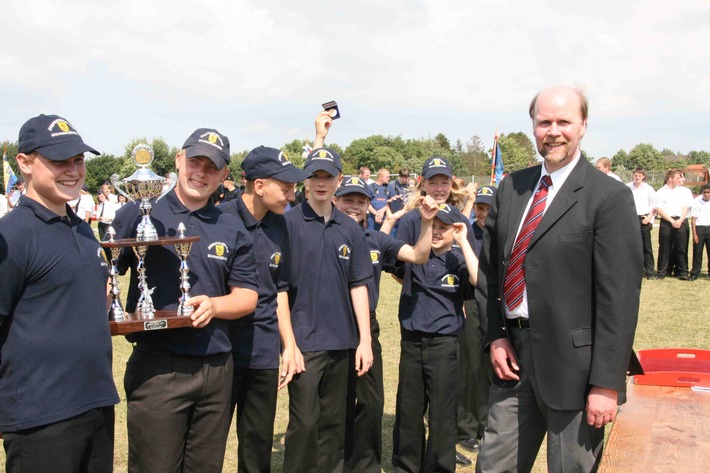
(374,257)
(354,181)
(212,138)
(64,126)
(444,207)
(345,250)
(283,157)
(277,258)
(143,157)
(219,250)
(450,280)
(436,162)
(322,154)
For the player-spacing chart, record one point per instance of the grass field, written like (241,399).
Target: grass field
(673,314)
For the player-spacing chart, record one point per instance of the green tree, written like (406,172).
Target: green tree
(620,159)
(646,156)
(100,168)
(699,157)
(163,163)
(476,158)
(443,142)
(517,150)
(588,157)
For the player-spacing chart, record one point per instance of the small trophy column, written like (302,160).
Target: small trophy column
(183,250)
(115,310)
(145,302)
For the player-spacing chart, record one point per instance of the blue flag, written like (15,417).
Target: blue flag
(499,165)
(8,175)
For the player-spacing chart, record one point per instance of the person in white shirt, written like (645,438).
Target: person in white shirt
(700,224)
(15,194)
(107,190)
(672,204)
(644,196)
(604,165)
(84,205)
(3,205)
(105,212)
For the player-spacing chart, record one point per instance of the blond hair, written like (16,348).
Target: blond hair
(456,197)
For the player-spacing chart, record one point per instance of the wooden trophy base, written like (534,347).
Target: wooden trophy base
(164,319)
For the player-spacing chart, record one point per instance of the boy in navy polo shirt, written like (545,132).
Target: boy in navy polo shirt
(431,316)
(363,446)
(271,183)
(330,267)
(56,388)
(178,382)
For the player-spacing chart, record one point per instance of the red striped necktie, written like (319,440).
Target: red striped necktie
(514,285)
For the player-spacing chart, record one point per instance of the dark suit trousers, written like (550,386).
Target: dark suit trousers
(363,438)
(703,244)
(518,420)
(648,261)
(673,249)
(474,377)
(254,397)
(428,380)
(315,437)
(81,444)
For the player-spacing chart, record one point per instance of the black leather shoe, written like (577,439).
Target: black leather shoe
(463,460)
(683,278)
(660,276)
(692,277)
(470,444)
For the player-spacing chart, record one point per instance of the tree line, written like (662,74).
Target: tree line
(472,158)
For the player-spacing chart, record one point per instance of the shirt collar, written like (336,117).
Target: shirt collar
(44,214)
(310,214)
(560,176)
(206,212)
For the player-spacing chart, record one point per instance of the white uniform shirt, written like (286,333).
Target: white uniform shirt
(673,201)
(643,197)
(701,211)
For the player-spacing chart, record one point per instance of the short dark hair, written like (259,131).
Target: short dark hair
(641,171)
(704,187)
(403,172)
(672,173)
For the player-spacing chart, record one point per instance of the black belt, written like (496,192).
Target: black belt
(520,322)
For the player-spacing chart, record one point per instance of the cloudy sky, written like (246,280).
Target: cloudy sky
(259,70)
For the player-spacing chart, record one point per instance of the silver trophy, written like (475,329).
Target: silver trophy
(115,310)
(183,250)
(144,185)
(144,307)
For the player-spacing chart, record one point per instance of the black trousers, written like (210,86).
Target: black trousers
(366,403)
(81,444)
(703,244)
(178,411)
(673,249)
(254,397)
(428,381)
(474,377)
(648,261)
(315,436)
(102,227)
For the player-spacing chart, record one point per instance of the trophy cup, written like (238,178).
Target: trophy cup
(144,185)
(183,250)
(115,310)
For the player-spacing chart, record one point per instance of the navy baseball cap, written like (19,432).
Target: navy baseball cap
(485,195)
(354,185)
(53,137)
(436,165)
(263,162)
(449,214)
(323,159)
(210,143)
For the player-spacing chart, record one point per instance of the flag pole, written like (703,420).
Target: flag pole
(493,158)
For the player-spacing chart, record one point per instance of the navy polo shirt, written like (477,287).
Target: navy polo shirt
(55,343)
(223,258)
(379,195)
(255,338)
(433,294)
(477,238)
(383,255)
(396,188)
(328,259)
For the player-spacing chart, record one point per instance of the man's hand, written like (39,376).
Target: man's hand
(428,207)
(323,124)
(460,232)
(503,360)
(363,358)
(291,364)
(380,215)
(601,406)
(471,190)
(204,310)
(676,223)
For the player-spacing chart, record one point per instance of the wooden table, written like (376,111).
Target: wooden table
(660,429)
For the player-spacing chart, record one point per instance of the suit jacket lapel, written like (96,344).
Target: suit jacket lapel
(565,198)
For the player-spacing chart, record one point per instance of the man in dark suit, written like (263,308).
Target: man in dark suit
(562,303)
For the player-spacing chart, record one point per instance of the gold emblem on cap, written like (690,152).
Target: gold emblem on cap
(322,154)
(64,126)
(142,155)
(444,207)
(283,158)
(354,181)
(212,138)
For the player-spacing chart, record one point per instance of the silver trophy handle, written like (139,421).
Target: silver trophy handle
(116,181)
(171,181)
